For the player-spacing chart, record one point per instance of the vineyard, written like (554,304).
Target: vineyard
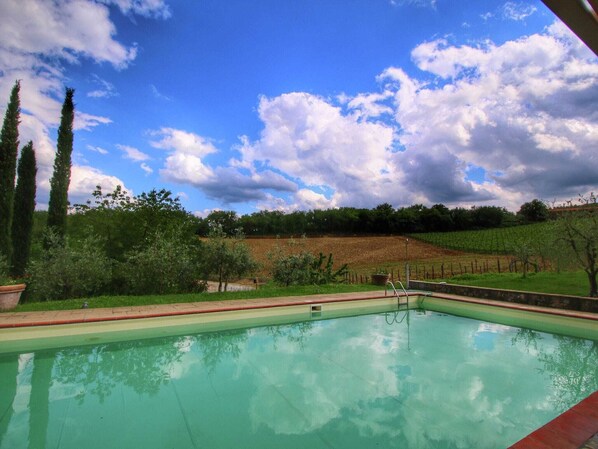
(491,241)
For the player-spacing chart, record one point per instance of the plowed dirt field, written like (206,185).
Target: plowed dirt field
(364,254)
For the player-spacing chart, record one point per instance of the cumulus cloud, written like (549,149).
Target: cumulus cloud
(185,164)
(37,39)
(521,111)
(66,29)
(308,138)
(182,142)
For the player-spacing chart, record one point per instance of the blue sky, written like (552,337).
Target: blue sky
(286,105)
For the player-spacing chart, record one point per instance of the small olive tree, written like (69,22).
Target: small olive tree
(227,257)
(577,236)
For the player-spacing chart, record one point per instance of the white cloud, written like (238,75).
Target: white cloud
(418,3)
(62,28)
(148,8)
(146,168)
(84,121)
(36,39)
(157,94)
(84,180)
(517,11)
(133,153)
(307,138)
(105,89)
(97,149)
(523,111)
(182,142)
(518,110)
(186,168)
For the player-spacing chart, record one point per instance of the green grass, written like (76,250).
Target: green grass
(491,241)
(565,283)
(266,291)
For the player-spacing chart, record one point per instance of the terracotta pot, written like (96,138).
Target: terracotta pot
(10,295)
(380,279)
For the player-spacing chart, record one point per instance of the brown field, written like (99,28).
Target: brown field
(365,254)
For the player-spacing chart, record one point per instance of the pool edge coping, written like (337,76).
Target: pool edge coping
(202,307)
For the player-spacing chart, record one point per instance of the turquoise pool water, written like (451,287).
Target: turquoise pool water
(416,379)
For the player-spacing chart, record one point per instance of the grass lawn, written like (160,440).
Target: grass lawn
(266,291)
(565,283)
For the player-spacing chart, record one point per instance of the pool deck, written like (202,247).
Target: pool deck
(577,428)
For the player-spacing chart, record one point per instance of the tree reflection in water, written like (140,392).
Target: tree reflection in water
(571,365)
(294,333)
(143,365)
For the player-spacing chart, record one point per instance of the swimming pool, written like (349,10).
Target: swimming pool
(393,379)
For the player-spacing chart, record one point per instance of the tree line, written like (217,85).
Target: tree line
(383,219)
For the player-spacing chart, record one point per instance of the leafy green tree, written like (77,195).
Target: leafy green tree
(533,212)
(61,178)
(9,145)
(127,223)
(24,206)
(227,221)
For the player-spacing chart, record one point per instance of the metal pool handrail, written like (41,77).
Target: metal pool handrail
(397,293)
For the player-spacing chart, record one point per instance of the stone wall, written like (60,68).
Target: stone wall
(579,303)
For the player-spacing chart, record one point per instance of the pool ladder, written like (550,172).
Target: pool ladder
(397,293)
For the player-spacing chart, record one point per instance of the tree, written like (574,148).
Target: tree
(227,221)
(128,223)
(534,211)
(577,232)
(9,145)
(24,206)
(61,178)
(227,257)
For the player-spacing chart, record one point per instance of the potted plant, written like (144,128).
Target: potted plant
(10,291)
(380,276)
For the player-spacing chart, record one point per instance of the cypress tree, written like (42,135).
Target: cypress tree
(9,145)
(24,205)
(61,178)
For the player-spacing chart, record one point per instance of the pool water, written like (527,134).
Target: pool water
(409,379)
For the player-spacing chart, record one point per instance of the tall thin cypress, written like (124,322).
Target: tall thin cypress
(9,145)
(61,178)
(24,206)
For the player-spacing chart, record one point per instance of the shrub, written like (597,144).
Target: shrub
(304,268)
(167,263)
(70,271)
(4,268)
